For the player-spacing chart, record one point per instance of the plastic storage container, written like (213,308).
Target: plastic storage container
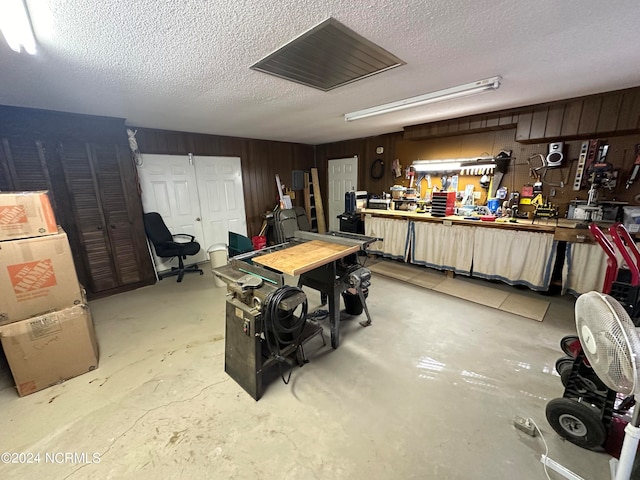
(218,257)
(259,242)
(352,303)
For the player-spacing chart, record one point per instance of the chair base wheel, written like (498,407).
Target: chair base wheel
(179,272)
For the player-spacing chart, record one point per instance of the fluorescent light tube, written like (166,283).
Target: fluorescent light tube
(436,166)
(447,94)
(16,27)
(453,164)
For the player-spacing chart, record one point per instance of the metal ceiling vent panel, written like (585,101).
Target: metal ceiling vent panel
(328,56)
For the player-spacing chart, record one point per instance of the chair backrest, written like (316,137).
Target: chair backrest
(303,221)
(286,222)
(156,229)
(239,244)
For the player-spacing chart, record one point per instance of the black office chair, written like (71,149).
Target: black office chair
(166,247)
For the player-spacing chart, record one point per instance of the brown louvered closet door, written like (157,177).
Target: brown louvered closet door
(107,161)
(85,163)
(23,166)
(82,185)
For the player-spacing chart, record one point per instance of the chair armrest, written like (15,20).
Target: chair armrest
(190,237)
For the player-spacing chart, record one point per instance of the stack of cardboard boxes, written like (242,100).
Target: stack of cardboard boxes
(45,324)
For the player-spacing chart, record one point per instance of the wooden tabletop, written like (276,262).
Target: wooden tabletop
(540,225)
(305,256)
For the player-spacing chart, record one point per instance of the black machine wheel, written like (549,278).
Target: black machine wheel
(576,422)
(563,364)
(566,342)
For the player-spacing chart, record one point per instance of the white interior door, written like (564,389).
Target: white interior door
(202,197)
(169,187)
(221,197)
(342,178)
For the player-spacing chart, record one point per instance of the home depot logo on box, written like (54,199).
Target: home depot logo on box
(12,214)
(30,279)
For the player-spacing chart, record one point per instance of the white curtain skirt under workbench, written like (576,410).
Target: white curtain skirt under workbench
(444,247)
(585,266)
(394,234)
(515,257)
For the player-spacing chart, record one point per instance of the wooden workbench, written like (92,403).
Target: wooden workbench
(539,225)
(522,253)
(304,257)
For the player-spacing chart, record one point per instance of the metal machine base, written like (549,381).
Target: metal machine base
(249,349)
(247,357)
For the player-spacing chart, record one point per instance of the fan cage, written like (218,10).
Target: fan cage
(609,340)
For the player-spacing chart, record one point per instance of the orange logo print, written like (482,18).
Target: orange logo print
(30,276)
(12,214)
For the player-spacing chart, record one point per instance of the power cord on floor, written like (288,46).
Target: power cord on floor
(546,448)
(318,315)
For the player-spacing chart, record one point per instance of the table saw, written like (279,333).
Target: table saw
(327,263)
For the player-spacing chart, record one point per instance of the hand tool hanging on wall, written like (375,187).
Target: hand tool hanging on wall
(502,165)
(534,172)
(596,153)
(635,169)
(582,162)
(563,181)
(396,168)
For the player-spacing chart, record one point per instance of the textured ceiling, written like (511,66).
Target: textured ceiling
(184,65)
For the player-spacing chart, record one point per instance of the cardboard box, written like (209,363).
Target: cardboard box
(49,349)
(37,275)
(632,219)
(26,214)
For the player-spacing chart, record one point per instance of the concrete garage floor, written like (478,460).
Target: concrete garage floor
(428,392)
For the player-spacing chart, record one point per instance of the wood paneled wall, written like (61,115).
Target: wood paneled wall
(365,149)
(594,116)
(46,124)
(517,130)
(261,160)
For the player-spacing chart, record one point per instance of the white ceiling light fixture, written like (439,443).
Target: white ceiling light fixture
(447,94)
(15,26)
(465,165)
(436,165)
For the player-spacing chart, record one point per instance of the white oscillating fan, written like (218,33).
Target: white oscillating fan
(611,344)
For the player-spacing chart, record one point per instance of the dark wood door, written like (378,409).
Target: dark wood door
(23,165)
(107,162)
(82,186)
(101,183)
(85,164)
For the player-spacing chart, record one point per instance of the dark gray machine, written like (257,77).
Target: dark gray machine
(257,295)
(252,346)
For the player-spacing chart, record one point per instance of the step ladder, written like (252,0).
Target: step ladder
(313,202)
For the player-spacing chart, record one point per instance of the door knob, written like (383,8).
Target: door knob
(198,219)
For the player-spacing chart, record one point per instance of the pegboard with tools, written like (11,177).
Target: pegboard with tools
(557,183)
